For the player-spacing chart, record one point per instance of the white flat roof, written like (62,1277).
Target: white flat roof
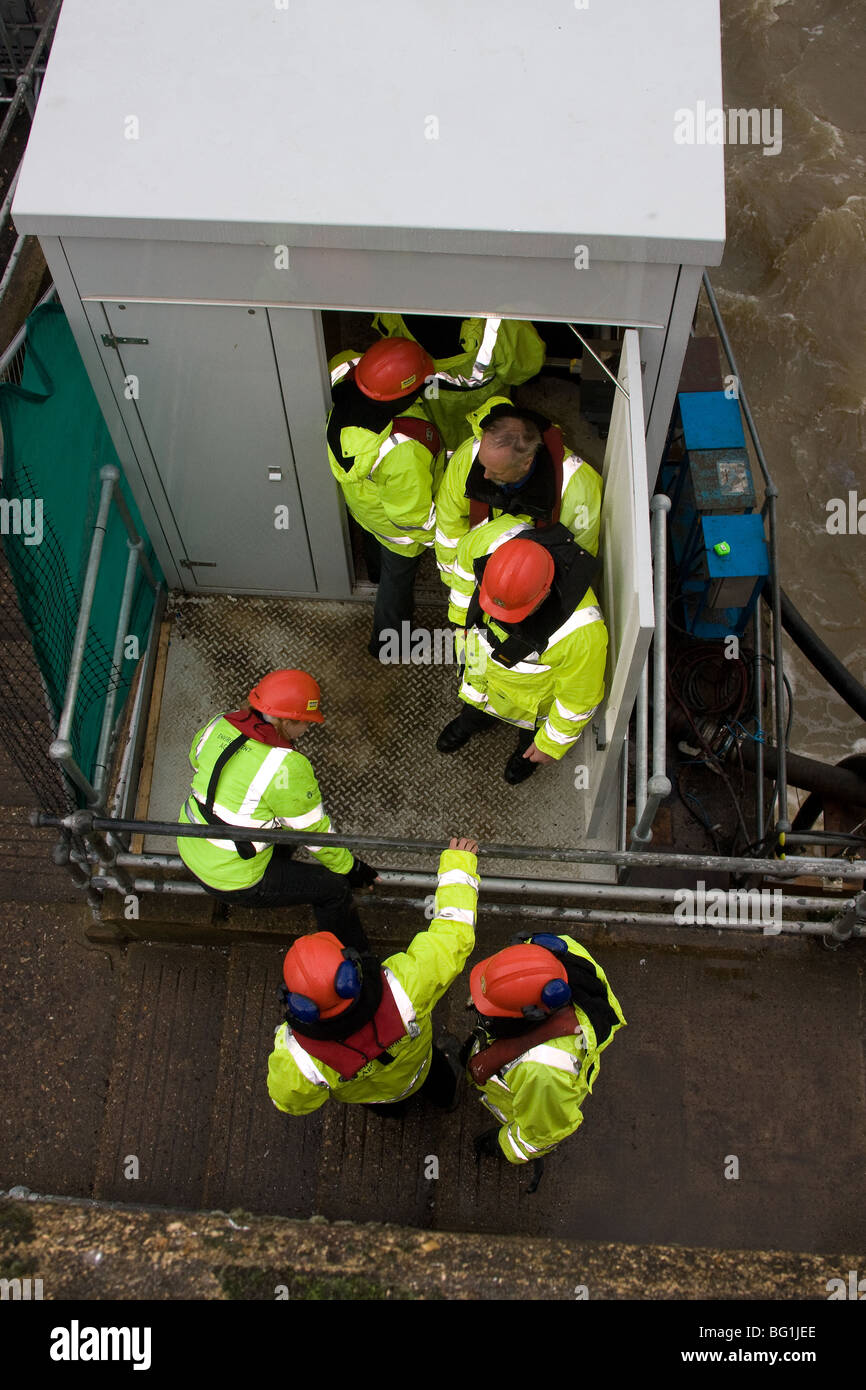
(492,126)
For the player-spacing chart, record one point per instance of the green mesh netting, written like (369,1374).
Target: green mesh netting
(55,441)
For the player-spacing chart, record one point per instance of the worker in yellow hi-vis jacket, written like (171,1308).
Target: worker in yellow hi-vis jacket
(386,457)
(545,1014)
(515,463)
(473,359)
(247,774)
(358,1030)
(535,640)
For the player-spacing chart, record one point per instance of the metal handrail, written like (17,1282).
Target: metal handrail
(771,493)
(848,923)
(17,343)
(23,82)
(86,821)
(61,750)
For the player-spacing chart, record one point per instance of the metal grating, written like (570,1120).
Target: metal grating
(375,758)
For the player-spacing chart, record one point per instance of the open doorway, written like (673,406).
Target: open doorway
(571,387)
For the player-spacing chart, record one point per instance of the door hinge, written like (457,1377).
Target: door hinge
(198,564)
(110,340)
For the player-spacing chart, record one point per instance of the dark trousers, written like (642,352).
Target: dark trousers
(439,1088)
(474,720)
(395,596)
(287,883)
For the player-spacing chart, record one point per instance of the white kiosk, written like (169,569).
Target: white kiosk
(207,178)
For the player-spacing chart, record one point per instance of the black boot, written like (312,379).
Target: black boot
(518,768)
(453,736)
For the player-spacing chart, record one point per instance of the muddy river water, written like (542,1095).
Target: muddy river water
(792,289)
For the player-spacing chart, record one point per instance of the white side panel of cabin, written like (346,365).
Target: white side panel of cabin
(433,282)
(625,590)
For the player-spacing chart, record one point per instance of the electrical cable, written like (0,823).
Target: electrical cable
(729,689)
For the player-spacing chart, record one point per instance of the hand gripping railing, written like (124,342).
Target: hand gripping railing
(103,864)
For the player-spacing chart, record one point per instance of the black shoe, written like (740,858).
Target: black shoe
(453,736)
(449,1048)
(518,768)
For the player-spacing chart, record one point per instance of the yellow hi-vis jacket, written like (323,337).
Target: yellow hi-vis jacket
(418,977)
(537,1097)
(580,498)
(497,353)
(259,786)
(392,482)
(558,689)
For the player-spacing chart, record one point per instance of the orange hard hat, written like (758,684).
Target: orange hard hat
(516,578)
(393,368)
(288,695)
(515,980)
(320,978)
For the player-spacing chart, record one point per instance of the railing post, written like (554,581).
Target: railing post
(843,926)
(61,748)
(659,785)
(771,492)
(100,770)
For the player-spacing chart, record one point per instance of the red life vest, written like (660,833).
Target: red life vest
(420,430)
(482,511)
(255,728)
(350,1055)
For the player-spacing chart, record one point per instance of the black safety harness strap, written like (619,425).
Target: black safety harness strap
(245,848)
(573,579)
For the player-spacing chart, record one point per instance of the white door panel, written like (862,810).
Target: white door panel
(625,588)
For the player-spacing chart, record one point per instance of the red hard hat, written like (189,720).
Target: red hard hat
(393,368)
(504,984)
(288,695)
(310,968)
(516,578)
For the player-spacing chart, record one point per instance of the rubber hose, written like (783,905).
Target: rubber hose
(834,783)
(814,803)
(825,662)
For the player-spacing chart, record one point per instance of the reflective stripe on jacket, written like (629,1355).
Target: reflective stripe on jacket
(496,354)
(580,498)
(259,786)
(556,691)
(418,977)
(537,1098)
(390,487)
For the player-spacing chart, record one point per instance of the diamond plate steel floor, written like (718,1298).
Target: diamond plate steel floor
(375,757)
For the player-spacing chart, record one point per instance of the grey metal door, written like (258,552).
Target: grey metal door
(205,388)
